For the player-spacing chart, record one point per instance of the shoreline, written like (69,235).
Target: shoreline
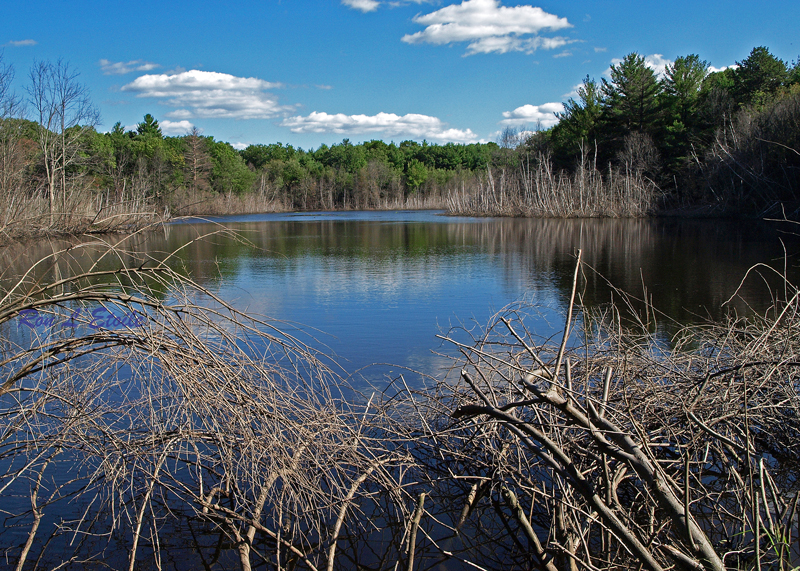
(38,234)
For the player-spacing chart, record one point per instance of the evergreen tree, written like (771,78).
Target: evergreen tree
(758,78)
(631,97)
(682,84)
(149,127)
(580,123)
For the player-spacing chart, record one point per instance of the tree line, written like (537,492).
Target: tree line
(729,137)
(630,144)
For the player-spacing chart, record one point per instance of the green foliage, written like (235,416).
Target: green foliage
(682,82)
(229,173)
(149,127)
(416,174)
(580,123)
(664,128)
(259,155)
(793,75)
(759,77)
(682,85)
(631,97)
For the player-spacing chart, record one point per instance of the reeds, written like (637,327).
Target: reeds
(536,188)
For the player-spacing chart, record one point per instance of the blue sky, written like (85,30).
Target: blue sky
(308,73)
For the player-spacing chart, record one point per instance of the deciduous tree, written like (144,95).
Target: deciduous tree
(64,112)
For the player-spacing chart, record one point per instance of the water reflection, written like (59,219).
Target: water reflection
(377,287)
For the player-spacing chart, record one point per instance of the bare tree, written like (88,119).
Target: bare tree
(198,161)
(64,113)
(150,416)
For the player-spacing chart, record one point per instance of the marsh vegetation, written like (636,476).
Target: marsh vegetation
(198,436)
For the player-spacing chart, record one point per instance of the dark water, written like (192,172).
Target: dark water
(377,287)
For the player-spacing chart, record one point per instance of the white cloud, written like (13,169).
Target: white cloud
(544,115)
(411,125)
(489,27)
(656,62)
(712,69)
(574,92)
(372,5)
(240,146)
(598,50)
(197,93)
(362,5)
(565,53)
(123,67)
(175,128)
(514,138)
(21,43)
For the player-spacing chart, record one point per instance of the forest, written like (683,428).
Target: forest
(635,143)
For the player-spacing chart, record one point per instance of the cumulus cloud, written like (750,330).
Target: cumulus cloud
(210,94)
(712,69)
(175,128)
(543,115)
(411,125)
(362,5)
(21,43)
(489,27)
(574,92)
(372,5)
(657,62)
(240,146)
(123,67)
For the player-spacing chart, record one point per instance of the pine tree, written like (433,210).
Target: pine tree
(631,97)
(682,83)
(759,77)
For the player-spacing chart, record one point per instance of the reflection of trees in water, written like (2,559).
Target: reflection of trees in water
(263,460)
(50,261)
(689,268)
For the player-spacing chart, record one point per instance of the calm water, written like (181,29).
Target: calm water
(377,287)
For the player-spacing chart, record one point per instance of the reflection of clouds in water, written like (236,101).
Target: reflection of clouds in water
(381,285)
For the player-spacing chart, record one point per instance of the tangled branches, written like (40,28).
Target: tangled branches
(621,453)
(144,422)
(143,419)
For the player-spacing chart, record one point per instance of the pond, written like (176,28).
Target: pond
(371,289)
(377,287)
